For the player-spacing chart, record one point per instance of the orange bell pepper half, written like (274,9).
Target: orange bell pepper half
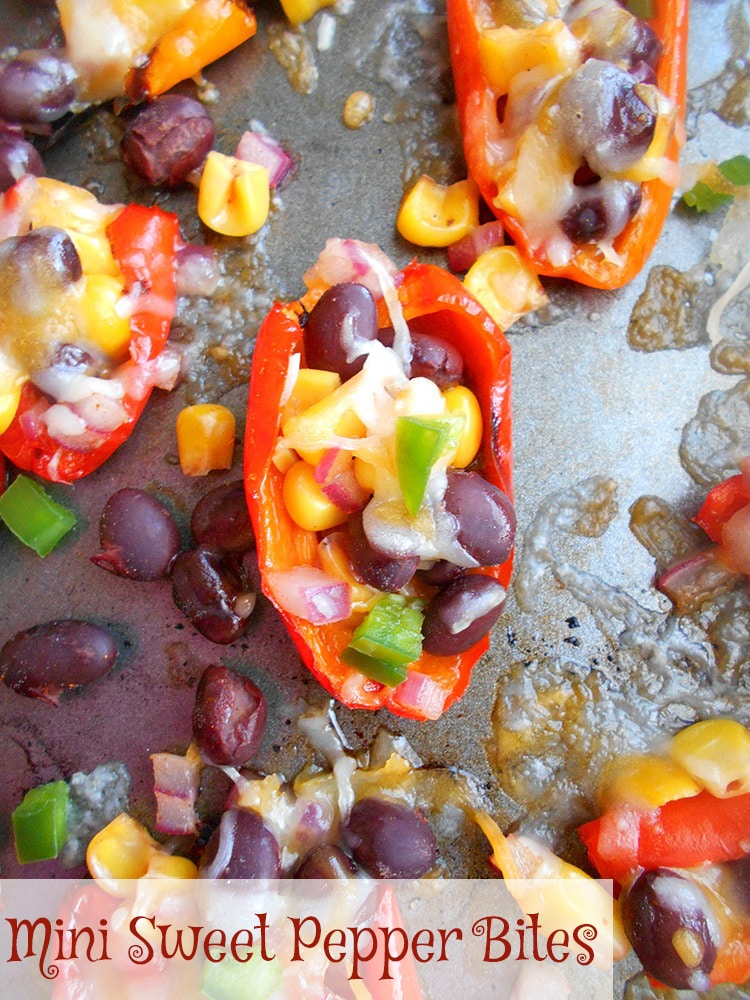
(205,33)
(432,301)
(482,134)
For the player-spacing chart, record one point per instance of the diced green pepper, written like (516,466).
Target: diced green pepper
(643,9)
(33,516)
(233,980)
(40,823)
(419,443)
(736,170)
(703,198)
(387,641)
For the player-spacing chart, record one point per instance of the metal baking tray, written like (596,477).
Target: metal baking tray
(589,663)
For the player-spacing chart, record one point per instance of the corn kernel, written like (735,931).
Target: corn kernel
(365,473)
(436,215)
(716,753)
(283,457)
(103,324)
(299,11)
(652,163)
(122,850)
(310,431)
(506,52)
(233,195)
(646,781)
(505,285)
(461,402)
(205,438)
(306,503)
(311,385)
(10,397)
(162,865)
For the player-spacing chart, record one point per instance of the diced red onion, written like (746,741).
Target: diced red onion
(101,413)
(464,252)
(695,580)
(257,147)
(30,419)
(68,384)
(197,270)
(335,475)
(313,821)
(311,594)
(421,695)
(161,372)
(176,784)
(735,540)
(349,260)
(227,831)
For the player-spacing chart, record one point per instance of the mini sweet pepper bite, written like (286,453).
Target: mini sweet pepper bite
(382,508)
(572,124)
(152,46)
(84,339)
(673,835)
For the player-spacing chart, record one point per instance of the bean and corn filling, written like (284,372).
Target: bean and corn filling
(582,124)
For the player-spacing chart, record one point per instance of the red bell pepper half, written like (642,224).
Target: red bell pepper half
(432,301)
(482,134)
(144,243)
(684,833)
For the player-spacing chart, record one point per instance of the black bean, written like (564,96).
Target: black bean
(168,138)
(461,613)
(211,590)
(343,318)
(585,222)
(440,573)
(604,118)
(659,908)
(45,660)
(75,357)
(371,565)
(46,256)
(229,717)
(138,535)
(432,357)
(248,847)
(326,861)
(645,47)
(739,874)
(221,519)
(17,157)
(486,519)
(389,839)
(36,86)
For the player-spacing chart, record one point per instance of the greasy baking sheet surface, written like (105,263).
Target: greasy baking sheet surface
(593,664)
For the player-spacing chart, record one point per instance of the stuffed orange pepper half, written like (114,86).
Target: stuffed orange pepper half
(571,115)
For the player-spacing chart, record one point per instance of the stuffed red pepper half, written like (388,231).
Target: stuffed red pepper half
(378,477)
(88,295)
(571,115)
(674,836)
